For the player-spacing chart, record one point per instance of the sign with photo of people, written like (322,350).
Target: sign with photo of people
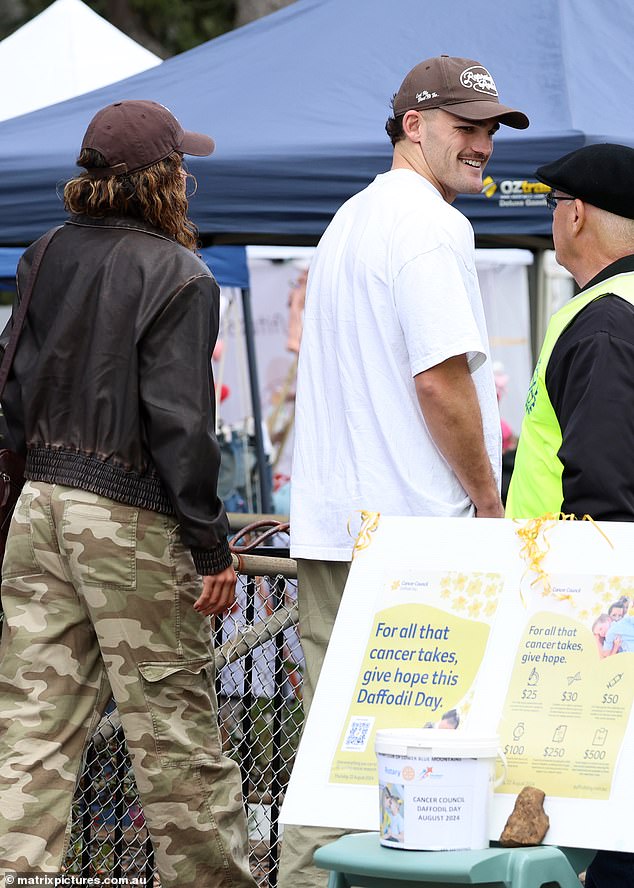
(520,629)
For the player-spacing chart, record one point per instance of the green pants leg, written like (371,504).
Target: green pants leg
(98,597)
(320,585)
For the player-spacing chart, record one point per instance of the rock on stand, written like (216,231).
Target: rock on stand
(528,822)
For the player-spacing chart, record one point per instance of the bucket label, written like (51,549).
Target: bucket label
(434,804)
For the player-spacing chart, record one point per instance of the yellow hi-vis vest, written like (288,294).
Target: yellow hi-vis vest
(536,485)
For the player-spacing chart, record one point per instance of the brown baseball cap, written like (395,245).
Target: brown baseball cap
(463,87)
(135,134)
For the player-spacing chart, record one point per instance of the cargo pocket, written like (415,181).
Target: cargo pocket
(100,541)
(181,700)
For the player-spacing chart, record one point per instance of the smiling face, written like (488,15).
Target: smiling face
(602,629)
(456,151)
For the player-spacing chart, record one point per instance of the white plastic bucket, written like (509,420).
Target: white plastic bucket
(435,788)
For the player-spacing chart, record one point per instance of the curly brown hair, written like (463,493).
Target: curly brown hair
(155,195)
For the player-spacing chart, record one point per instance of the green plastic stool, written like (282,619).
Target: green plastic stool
(360,859)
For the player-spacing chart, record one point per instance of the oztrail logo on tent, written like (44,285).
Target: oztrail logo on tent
(516,192)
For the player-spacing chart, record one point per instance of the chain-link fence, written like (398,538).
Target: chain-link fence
(258,685)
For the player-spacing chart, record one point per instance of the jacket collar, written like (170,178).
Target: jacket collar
(125,222)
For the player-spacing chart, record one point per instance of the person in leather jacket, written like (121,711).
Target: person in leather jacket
(117,551)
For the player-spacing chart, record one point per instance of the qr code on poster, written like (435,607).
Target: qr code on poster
(358,734)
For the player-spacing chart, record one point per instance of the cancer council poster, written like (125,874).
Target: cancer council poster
(523,630)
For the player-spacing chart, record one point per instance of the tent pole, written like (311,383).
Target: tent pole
(263,469)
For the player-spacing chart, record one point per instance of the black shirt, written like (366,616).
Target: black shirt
(590,382)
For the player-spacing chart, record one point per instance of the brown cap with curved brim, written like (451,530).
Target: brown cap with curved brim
(135,134)
(460,86)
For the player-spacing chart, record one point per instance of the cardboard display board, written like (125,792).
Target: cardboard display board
(499,626)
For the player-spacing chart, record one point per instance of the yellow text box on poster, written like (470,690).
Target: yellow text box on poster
(420,661)
(566,710)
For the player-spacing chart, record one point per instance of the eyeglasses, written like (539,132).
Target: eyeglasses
(552,198)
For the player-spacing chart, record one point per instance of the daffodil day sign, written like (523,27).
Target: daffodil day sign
(420,659)
(567,707)
(520,630)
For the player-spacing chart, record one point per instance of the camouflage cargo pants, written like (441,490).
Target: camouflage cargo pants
(97,599)
(319,590)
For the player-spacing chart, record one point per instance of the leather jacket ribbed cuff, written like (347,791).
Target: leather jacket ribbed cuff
(212,561)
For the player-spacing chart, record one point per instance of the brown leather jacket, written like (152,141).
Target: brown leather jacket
(111,388)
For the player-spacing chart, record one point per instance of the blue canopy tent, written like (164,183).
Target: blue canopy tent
(297,100)
(9,258)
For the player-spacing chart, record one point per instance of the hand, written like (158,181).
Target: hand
(219,593)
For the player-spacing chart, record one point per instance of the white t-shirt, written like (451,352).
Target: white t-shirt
(392,291)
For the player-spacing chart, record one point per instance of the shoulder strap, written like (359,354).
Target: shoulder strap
(18,320)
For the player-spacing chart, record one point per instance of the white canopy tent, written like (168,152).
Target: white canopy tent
(63,52)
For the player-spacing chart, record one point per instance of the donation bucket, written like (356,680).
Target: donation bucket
(435,788)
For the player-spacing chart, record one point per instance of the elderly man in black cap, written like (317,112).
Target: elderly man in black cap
(575,449)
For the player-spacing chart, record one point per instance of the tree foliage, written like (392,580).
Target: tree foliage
(165,27)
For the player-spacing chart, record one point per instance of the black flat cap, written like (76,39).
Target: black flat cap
(601,175)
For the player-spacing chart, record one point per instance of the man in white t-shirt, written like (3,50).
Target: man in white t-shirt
(396,407)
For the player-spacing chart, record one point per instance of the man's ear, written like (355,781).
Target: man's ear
(413,125)
(579,216)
